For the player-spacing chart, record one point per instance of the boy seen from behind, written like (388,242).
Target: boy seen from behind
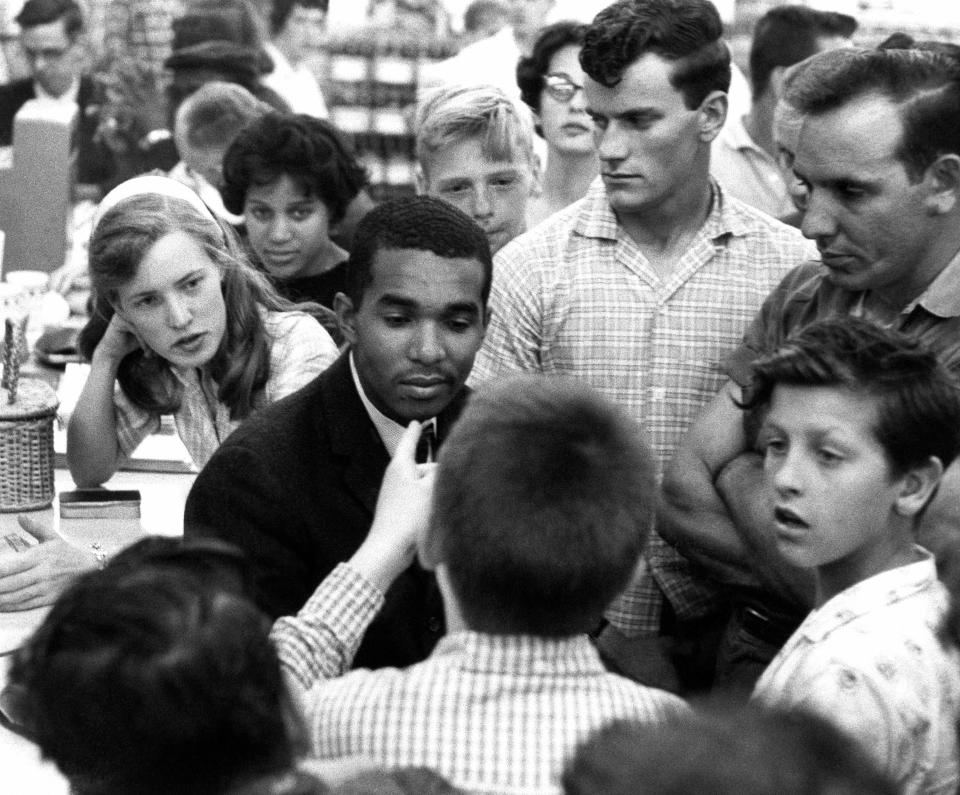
(542,498)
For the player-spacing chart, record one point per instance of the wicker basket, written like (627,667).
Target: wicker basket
(26,446)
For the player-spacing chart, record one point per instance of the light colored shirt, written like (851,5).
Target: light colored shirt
(869,660)
(68,98)
(301,350)
(390,430)
(296,84)
(747,171)
(491,713)
(492,61)
(576,296)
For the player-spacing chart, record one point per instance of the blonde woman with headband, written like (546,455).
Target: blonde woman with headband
(181,325)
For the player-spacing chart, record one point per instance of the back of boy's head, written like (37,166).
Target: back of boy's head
(745,750)
(152,679)
(309,150)
(917,398)
(420,223)
(453,114)
(544,495)
(214,113)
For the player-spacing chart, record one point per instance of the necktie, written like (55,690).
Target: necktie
(427,445)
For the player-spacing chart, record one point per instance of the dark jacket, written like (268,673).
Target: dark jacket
(95,162)
(295,486)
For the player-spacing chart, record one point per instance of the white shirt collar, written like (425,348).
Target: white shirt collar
(68,96)
(389,430)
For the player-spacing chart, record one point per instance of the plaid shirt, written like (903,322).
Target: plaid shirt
(576,296)
(301,350)
(491,713)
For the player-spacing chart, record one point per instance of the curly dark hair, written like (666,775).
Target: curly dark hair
(685,31)
(531,70)
(308,149)
(418,222)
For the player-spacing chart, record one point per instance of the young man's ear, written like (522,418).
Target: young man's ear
(918,486)
(943,180)
(346,317)
(712,114)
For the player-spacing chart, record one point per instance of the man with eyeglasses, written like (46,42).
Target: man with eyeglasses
(644,286)
(51,38)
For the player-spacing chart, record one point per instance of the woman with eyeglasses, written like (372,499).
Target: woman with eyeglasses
(551,83)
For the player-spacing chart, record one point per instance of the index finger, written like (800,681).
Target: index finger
(407,448)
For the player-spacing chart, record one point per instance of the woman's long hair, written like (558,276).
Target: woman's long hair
(241,365)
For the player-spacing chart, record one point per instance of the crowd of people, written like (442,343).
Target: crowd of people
(620,458)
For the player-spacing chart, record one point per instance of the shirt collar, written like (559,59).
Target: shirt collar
(738,137)
(68,96)
(389,430)
(942,296)
(597,218)
(868,595)
(522,655)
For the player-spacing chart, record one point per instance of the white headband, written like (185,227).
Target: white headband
(139,186)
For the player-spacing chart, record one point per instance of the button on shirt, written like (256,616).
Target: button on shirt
(576,296)
(869,660)
(301,349)
(491,713)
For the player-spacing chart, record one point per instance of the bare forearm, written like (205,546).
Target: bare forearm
(740,486)
(92,449)
(693,518)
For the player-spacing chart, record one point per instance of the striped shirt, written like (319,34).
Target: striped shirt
(301,350)
(576,296)
(491,713)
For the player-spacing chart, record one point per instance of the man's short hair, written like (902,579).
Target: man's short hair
(43,12)
(423,223)
(917,398)
(544,495)
(786,35)
(215,113)
(533,68)
(453,114)
(308,149)
(155,678)
(925,85)
(687,32)
(280,11)
(745,750)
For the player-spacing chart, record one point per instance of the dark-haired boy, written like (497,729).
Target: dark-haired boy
(537,512)
(295,486)
(858,426)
